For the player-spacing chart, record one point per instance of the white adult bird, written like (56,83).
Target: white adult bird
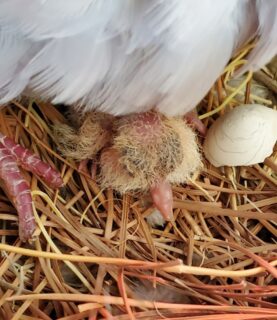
(122,57)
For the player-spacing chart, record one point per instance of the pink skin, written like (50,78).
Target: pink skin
(147,126)
(83,167)
(192,119)
(12,155)
(161,192)
(162,198)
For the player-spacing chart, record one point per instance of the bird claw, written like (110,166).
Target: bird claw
(83,167)
(192,119)
(12,155)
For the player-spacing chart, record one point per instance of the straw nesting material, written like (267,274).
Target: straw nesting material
(94,254)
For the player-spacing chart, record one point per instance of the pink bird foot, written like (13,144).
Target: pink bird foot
(13,155)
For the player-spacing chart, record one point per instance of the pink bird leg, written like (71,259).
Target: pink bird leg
(12,155)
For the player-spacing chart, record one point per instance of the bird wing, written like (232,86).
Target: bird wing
(118,56)
(266,47)
(43,41)
(44,19)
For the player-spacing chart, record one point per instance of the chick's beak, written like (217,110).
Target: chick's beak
(162,198)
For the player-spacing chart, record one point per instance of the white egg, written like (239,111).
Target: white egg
(244,136)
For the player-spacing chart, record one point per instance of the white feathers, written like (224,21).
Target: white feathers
(266,47)
(45,19)
(14,53)
(127,55)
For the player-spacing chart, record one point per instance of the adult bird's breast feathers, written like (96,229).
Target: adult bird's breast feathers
(127,55)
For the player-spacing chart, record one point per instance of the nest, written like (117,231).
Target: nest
(95,256)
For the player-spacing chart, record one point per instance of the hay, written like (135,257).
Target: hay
(95,255)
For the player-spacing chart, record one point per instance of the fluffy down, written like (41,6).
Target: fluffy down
(84,142)
(136,151)
(148,148)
